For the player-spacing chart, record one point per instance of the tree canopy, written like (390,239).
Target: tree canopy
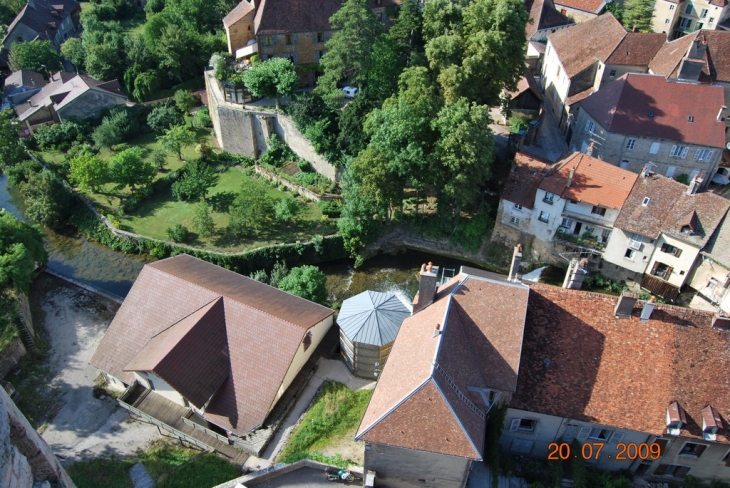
(36,56)
(274,78)
(176,138)
(21,251)
(307,282)
(638,14)
(89,172)
(251,210)
(128,168)
(12,150)
(197,177)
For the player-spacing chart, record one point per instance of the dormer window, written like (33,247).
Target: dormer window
(646,201)
(690,118)
(686,229)
(711,423)
(676,418)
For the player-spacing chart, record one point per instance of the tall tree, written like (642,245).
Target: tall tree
(307,282)
(73,50)
(384,187)
(202,220)
(185,101)
(176,138)
(36,56)
(274,78)
(47,201)
(21,251)
(348,51)
(197,178)
(251,210)
(638,15)
(479,56)
(12,150)
(89,172)
(128,168)
(407,32)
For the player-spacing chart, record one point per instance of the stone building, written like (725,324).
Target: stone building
(581,10)
(677,18)
(640,119)
(45,20)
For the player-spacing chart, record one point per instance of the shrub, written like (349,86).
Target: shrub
(277,153)
(683,178)
(197,177)
(304,166)
(286,209)
(67,131)
(518,122)
(202,118)
(19,174)
(332,208)
(202,220)
(307,282)
(127,126)
(177,233)
(163,117)
(158,158)
(106,136)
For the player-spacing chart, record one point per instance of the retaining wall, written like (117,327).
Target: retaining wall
(11,356)
(305,192)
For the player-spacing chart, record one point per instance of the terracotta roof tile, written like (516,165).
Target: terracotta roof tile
(595,181)
(718,247)
(581,45)
(238,13)
(526,83)
(637,49)
(258,319)
(592,6)
(670,55)
(522,183)
(281,16)
(581,362)
(666,209)
(623,107)
(543,15)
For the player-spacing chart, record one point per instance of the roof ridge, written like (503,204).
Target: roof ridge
(375,422)
(458,419)
(183,318)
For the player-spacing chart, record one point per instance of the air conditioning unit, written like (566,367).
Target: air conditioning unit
(635,245)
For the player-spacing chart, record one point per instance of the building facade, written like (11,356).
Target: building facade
(679,18)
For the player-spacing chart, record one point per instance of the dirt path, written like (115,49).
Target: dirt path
(84,427)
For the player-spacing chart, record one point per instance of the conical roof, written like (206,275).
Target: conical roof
(372,317)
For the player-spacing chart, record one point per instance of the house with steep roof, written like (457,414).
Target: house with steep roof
(711,272)
(677,18)
(584,57)
(544,20)
(289,29)
(20,86)
(641,118)
(68,95)
(660,232)
(45,20)
(610,373)
(581,10)
(214,347)
(452,361)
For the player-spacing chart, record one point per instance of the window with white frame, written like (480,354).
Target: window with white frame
(654,149)
(590,126)
(598,210)
(671,7)
(603,238)
(514,221)
(685,23)
(703,14)
(678,151)
(566,223)
(523,425)
(544,217)
(612,73)
(704,154)
(688,10)
(549,197)
(570,431)
(666,21)
(599,434)
(629,254)
(631,143)
(712,19)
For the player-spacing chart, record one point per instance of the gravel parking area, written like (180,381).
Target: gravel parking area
(83,427)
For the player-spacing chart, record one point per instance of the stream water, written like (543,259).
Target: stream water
(114,272)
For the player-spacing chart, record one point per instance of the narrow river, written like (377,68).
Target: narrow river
(114,272)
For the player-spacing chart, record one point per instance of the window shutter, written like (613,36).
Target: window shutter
(673,152)
(677,252)
(685,150)
(274,39)
(654,268)
(669,273)
(326,36)
(295,39)
(698,154)
(583,434)
(294,57)
(514,425)
(700,449)
(616,438)
(664,247)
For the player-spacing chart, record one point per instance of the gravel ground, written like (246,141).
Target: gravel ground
(84,427)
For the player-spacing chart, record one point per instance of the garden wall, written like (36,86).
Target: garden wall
(293,186)
(11,356)
(245,132)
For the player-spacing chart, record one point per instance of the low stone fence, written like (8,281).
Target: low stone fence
(305,192)
(11,356)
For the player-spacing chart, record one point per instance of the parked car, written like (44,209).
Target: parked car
(350,91)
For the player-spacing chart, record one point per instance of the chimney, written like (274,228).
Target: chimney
(645,171)
(576,274)
(625,305)
(721,322)
(514,268)
(426,287)
(589,149)
(694,185)
(570,178)
(720,118)
(648,309)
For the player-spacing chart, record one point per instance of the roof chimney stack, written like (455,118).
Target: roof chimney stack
(694,185)
(625,305)
(426,287)
(576,274)
(589,149)
(648,309)
(645,171)
(570,178)
(514,269)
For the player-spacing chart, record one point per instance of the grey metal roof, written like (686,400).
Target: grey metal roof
(372,317)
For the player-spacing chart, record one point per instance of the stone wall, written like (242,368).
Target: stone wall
(11,356)
(25,314)
(25,458)
(245,131)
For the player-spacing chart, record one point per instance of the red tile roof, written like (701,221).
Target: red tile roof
(526,83)
(637,49)
(594,181)
(581,45)
(282,16)
(623,107)
(258,319)
(670,55)
(428,374)
(581,362)
(523,181)
(592,6)
(238,13)
(543,15)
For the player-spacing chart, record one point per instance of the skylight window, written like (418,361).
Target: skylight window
(690,118)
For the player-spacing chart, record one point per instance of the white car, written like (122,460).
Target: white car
(350,91)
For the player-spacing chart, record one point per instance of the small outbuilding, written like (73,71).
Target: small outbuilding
(368,324)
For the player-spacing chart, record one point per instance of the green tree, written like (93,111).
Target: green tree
(106,135)
(356,224)
(278,273)
(164,116)
(307,282)
(16,5)
(203,220)
(158,158)
(144,84)
(12,150)
(47,201)
(617,9)
(88,172)
(356,30)
(128,168)
(176,138)
(104,60)
(36,56)
(185,101)
(6,14)
(21,252)
(638,14)
(274,78)
(286,209)
(407,32)
(73,50)
(479,54)
(197,178)
(251,210)
(384,187)
(202,119)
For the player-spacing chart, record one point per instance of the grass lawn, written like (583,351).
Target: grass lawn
(172,466)
(334,416)
(162,211)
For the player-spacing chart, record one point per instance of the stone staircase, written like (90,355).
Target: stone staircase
(28,341)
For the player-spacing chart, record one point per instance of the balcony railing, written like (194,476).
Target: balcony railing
(584,241)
